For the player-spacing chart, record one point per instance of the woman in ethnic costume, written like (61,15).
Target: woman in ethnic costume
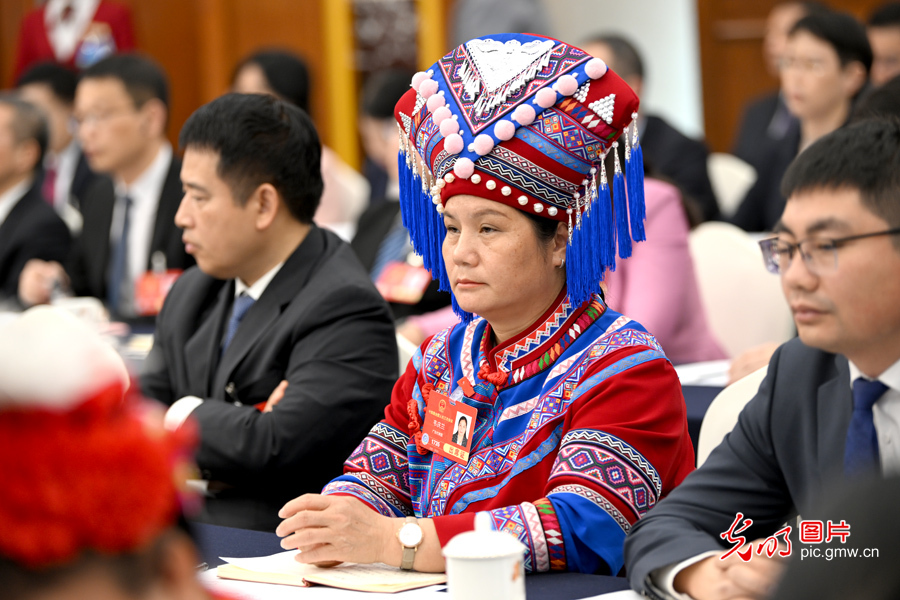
(580,423)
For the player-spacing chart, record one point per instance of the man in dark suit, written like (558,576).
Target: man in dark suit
(277,345)
(121,105)
(29,228)
(838,252)
(66,174)
(666,150)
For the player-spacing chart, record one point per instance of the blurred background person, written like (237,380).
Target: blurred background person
(666,150)
(284,75)
(883,29)
(75,33)
(29,228)
(121,105)
(66,174)
(766,120)
(657,284)
(381,241)
(93,485)
(825,67)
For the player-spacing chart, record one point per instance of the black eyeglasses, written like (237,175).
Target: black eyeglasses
(819,254)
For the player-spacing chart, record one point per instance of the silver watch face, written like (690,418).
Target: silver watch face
(410,535)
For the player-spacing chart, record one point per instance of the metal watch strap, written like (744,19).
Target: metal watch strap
(409,553)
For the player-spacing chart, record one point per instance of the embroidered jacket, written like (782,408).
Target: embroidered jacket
(580,430)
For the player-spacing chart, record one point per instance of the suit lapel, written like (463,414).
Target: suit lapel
(835,406)
(202,349)
(287,283)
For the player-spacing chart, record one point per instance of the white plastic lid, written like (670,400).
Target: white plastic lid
(483,542)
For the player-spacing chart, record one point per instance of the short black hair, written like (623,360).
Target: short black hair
(886,15)
(144,79)
(883,101)
(287,74)
(842,32)
(382,91)
(29,123)
(60,79)
(628,59)
(864,156)
(261,139)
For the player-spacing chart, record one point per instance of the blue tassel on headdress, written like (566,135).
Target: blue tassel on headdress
(606,230)
(424,224)
(634,167)
(623,235)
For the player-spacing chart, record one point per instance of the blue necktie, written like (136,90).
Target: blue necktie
(118,266)
(861,451)
(240,307)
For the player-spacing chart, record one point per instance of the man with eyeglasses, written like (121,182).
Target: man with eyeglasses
(121,106)
(828,412)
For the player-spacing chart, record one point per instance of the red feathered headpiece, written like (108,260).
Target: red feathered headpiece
(83,470)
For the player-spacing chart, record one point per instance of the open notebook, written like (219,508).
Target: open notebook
(282,569)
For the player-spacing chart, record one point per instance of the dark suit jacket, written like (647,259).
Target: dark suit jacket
(758,135)
(786,449)
(82,180)
(88,264)
(31,230)
(321,325)
(682,160)
(374,225)
(761,208)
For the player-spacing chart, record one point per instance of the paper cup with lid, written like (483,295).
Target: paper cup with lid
(485,564)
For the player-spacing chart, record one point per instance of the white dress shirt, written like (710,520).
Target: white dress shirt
(64,165)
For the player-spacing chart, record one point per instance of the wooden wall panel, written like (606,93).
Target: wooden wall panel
(733,72)
(198,43)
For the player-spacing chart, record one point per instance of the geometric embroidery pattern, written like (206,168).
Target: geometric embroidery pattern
(552,534)
(605,468)
(601,438)
(597,499)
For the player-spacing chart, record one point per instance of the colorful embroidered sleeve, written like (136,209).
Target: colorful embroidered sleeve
(378,470)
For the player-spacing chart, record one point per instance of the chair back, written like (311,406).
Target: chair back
(722,414)
(743,301)
(405,351)
(731,179)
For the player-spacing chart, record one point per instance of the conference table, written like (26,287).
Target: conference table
(216,541)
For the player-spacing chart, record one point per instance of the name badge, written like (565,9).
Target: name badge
(150,291)
(403,283)
(448,427)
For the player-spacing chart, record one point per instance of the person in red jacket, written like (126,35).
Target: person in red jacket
(73,33)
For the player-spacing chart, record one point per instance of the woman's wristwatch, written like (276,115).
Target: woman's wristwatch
(410,537)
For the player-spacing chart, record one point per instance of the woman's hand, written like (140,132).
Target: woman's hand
(336,528)
(329,530)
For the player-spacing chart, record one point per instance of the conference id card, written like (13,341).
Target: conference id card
(448,427)
(402,283)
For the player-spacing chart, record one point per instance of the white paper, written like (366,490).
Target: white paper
(282,563)
(712,373)
(249,590)
(622,595)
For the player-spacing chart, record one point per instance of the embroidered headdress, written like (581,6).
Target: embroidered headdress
(83,467)
(527,121)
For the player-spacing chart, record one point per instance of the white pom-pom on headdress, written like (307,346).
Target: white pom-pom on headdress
(50,359)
